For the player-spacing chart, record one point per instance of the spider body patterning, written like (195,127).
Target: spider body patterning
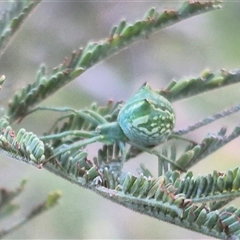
(147,118)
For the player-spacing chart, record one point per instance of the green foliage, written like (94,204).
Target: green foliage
(12,19)
(23,144)
(121,36)
(168,198)
(7,208)
(198,203)
(208,80)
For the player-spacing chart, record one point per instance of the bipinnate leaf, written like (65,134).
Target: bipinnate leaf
(12,19)
(191,86)
(25,146)
(121,36)
(51,201)
(198,203)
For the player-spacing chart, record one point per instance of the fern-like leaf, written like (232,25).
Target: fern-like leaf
(12,19)
(6,206)
(158,199)
(51,201)
(188,87)
(210,144)
(121,36)
(24,145)
(197,203)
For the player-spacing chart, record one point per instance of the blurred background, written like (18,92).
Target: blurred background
(52,32)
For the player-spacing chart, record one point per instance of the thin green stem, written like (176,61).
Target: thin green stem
(208,120)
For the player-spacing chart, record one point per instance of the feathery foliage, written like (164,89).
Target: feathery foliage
(197,203)
(12,19)
(7,208)
(120,37)
(208,80)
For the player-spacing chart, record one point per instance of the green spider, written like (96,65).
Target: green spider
(146,120)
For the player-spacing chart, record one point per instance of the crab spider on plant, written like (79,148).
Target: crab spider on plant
(146,120)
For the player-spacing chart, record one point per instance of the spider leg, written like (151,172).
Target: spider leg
(164,158)
(77,145)
(76,133)
(175,136)
(87,114)
(123,150)
(160,156)
(53,109)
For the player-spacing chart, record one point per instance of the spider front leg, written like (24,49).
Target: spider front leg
(123,150)
(79,129)
(112,133)
(75,133)
(81,119)
(74,146)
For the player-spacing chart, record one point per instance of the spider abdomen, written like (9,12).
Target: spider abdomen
(147,118)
